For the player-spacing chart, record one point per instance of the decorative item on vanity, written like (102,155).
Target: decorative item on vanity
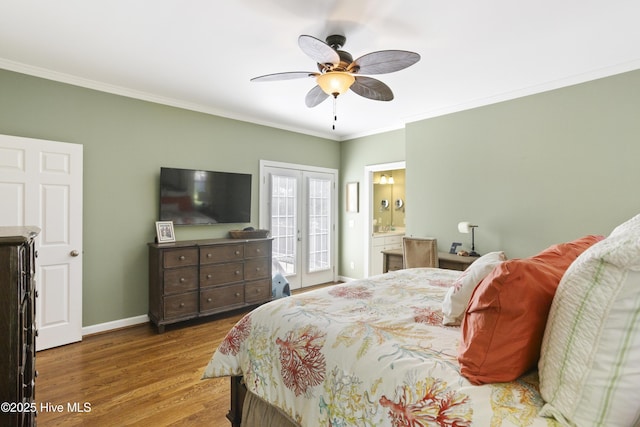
(454,247)
(465,227)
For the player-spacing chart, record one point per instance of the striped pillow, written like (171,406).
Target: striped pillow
(590,357)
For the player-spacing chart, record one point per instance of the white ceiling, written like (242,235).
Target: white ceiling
(200,55)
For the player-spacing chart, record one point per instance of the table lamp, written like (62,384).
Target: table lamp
(465,227)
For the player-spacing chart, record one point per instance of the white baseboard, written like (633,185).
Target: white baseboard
(345,279)
(115,324)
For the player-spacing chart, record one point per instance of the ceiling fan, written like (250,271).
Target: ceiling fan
(338,72)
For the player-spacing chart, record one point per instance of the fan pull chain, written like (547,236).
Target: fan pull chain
(335,115)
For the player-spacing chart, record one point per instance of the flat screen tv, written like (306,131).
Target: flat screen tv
(197,197)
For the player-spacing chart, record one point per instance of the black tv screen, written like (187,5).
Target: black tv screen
(197,197)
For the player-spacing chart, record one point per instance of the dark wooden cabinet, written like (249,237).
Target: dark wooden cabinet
(198,278)
(18,325)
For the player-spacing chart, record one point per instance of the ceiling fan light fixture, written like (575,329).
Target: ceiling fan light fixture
(335,82)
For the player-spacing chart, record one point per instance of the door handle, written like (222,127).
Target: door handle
(74,253)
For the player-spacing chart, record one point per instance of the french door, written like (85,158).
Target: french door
(298,206)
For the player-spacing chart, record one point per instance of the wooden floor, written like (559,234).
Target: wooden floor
(135,377)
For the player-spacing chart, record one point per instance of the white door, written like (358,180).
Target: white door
(299,208)
(41,185)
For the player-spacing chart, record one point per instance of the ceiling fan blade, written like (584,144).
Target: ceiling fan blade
(384,61)
(284,76)
(372,89)
(315,96)
(318,50)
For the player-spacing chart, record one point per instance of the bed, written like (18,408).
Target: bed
(526,342)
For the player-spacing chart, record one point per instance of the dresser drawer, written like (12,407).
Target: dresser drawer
(257,249)
(257,291)
(257,268)
(219,274)
(181,305)
(221,296)
(180,258)
(221,253)
(180,280)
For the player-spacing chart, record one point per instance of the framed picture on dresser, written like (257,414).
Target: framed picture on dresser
(164,232)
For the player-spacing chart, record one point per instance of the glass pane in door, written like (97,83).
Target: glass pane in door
(284,222)
(319,202)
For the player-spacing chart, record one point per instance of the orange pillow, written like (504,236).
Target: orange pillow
(505,320)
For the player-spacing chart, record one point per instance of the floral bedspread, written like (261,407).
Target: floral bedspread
(370,352)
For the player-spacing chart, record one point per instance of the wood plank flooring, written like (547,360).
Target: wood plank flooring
(135,377)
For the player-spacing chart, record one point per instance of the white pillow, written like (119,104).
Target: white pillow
(590,358)
(457,298)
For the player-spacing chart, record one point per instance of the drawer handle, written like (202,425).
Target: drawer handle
(181,304)
(182,280)
(257,268)
(209,255)
(258,250)
(237,294)
(181,257)
(257,291)
(237,272)
(208,299)
(237,252)
(209,276)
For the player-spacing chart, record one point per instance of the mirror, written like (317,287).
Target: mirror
(388,200)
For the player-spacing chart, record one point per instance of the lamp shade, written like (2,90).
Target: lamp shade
(335,82)
(464,227)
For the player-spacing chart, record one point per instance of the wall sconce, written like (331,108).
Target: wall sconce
(384,180)
(465,227)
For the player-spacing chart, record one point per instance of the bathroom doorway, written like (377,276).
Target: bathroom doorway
(384,199)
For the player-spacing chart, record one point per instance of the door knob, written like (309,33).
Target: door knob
(74,253)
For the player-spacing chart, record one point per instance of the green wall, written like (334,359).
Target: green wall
(530,172)
(355,155)
(126,141)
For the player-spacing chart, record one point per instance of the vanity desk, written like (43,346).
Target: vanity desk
(392,260)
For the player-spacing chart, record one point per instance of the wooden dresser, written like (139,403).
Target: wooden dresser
(17,322)
(198,278)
